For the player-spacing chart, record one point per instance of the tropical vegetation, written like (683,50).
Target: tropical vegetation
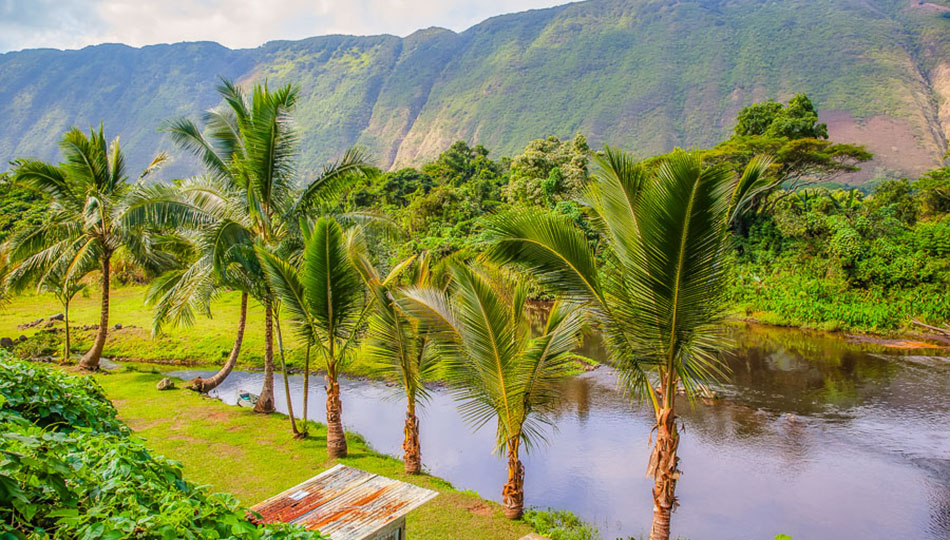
(70,469)
(480,273)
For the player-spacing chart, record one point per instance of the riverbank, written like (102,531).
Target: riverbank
(254,456)
(209,341)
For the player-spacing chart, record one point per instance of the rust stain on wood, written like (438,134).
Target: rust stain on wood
(343,503)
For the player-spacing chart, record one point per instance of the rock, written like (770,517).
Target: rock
(21,339)
(6,343)
(117,326)
(57,317)
(165,384)
(48,325)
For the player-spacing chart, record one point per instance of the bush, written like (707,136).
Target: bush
(560,525)
(49,398)
(68,469)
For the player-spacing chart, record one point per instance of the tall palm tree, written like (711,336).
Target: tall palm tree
(249,150)
(92,216)
(495,367)
(398,347)
(324,297)
(658,294)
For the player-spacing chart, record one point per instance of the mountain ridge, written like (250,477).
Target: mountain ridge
(647,75)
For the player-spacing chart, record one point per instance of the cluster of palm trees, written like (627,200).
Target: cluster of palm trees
(652,284)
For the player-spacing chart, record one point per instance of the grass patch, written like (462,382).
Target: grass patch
(254,456)
(207,343)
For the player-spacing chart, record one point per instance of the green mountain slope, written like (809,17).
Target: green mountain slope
(644,74)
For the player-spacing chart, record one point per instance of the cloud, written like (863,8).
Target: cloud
(234,23)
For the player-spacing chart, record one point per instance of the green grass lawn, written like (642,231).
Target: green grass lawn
(254,456)
(207,342)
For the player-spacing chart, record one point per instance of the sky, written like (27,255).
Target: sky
(72,24)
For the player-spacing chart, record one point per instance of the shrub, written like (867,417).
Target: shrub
(559,525)
(68,469)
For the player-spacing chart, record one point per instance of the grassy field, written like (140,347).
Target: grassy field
(207,342)
(254,456)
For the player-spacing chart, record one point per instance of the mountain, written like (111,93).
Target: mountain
(646,75)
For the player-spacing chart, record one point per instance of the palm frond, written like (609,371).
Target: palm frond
(552,249)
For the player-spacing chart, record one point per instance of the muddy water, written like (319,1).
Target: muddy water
(813,437)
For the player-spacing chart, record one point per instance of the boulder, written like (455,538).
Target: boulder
(21,339)
(6,343)
(57,317)
(117,326)
(165,384)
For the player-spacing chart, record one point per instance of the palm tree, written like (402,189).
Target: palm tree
(179,293)
(495,367)
(658,294)
(249,198)
(324,297)
(399,349)
(56,276)
(64,288)
(92,216)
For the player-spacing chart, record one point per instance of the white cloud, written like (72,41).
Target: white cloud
(234,23)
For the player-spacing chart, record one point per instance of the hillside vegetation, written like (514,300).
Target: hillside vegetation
(647,75)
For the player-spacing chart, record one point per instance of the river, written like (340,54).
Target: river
(812,437)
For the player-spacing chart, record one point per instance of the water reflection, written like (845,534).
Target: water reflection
(813,437)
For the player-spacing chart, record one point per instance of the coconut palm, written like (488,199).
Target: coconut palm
(58,277)
(397,347)
(180,293)
(92,217)
(658,295)
(64,288)
(495,367)
(324,298)
(248,197)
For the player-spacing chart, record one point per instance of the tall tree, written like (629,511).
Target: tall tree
(324,298)
(249,149)
(93,215)
(398,347)
(658,295)
(495,367)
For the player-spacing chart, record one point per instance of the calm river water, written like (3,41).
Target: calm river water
(814,438)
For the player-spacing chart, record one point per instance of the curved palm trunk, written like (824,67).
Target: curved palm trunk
(336,438)
(663,469)
(206,385)
(265,402)
(90,361)
(512,496)
(412,453)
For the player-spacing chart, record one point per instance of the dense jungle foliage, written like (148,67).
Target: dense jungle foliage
(811,252)
(70,469)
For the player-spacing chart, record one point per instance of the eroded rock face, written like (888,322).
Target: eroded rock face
(165,384)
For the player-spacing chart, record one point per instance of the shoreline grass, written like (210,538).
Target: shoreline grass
(254,456)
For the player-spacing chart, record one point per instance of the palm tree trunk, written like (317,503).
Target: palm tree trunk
(663,469)
(265,402)
(90,361)
(306,389)
(206,385)
(336,438)
(412,454)
(512,496)
(66,321)
(283,370)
